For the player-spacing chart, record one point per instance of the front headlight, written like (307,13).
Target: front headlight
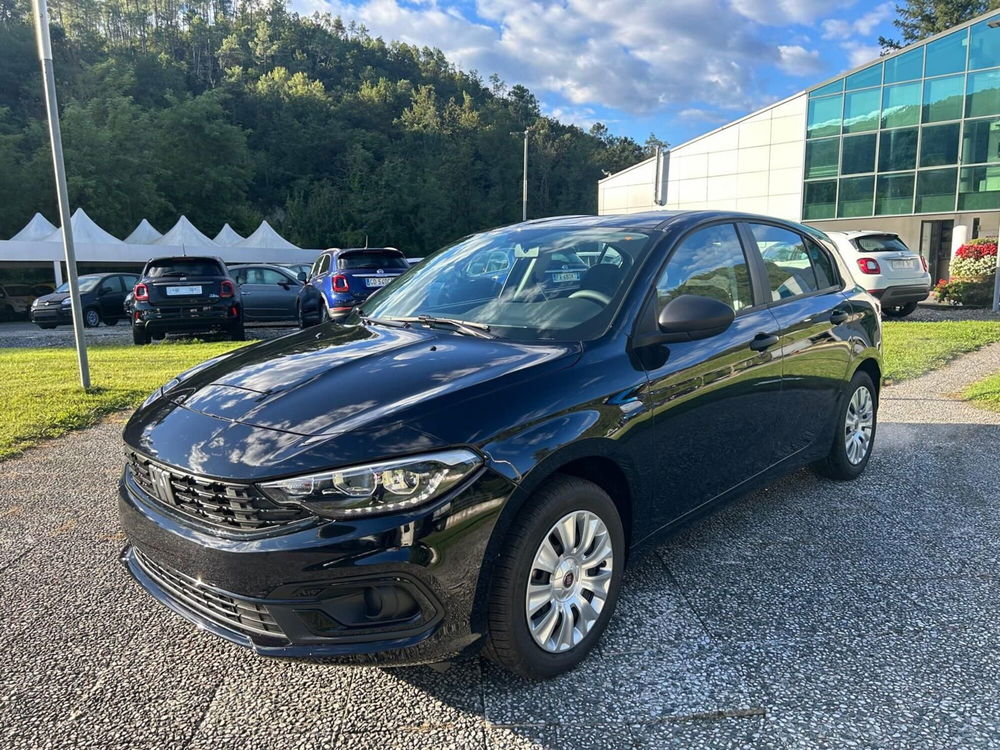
(378,488)
(66,302)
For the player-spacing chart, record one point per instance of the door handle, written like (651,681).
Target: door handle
(763,341)
(838,316)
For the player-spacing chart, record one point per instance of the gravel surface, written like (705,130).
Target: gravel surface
(24,335)
(810,614)
(934,313)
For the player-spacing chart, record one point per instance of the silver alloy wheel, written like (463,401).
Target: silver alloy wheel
(91,318)
(568,581)
(858,425)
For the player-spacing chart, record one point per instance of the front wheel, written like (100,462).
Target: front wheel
(556,583)
(899,311)
(91,318)
(857,421)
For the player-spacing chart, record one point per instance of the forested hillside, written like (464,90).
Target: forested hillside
(241,111)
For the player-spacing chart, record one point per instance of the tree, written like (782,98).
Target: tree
(919,19)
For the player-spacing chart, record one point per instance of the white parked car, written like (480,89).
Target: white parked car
(883,264)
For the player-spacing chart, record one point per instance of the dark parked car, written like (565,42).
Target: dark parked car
(425,479)
(185,295)
(269,292)
(342,278)
(102,297)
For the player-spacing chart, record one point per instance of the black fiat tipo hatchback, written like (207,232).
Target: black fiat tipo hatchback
(474,455)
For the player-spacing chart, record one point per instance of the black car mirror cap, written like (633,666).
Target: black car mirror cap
(689,317)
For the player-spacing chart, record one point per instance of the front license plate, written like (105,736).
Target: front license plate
(904,265)
(380,281)
(182,291)
(566,277)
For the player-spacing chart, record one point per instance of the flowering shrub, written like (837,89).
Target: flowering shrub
(972,274)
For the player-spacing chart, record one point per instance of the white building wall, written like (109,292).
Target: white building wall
(755,164)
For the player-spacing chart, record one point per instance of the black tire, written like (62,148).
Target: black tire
(324,313)
(510,642)
(899,311)
(837,465)
(140,336)
(110,321)
(237,332)
(46,326)
(301,316)
(91,318)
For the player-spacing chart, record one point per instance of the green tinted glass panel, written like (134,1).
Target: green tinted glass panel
(856,196)
(861,110)
(820,200)
(822,157)
(943,99)
(984,94)
(979,188)
(831,88)
(939,144)
(824,116)
(981,141)
(946,55)
(864,78)
(984,47)
(901,105)
(936,190)
(905,67)
(858,154)
(897,150)
(894,194)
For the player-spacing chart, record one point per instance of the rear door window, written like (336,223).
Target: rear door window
(794,266)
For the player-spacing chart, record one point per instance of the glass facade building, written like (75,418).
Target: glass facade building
(916,133)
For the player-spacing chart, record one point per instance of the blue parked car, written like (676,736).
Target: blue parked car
(342,278)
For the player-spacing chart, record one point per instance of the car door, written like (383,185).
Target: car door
(715,401)
(254,302)
(265,294)
(110,297)
(805,291)
(320,274)
(286,296)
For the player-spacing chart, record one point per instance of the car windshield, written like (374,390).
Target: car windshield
(526,283)
(182,267)
(372,259)
(87,284)
(883,243)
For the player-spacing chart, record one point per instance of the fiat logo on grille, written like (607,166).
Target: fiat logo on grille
(161,485)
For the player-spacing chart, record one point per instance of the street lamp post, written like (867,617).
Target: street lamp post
(41,14)
(524,184)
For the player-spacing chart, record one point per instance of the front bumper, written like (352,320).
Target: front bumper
(894,296)
(325,589)
(54,314)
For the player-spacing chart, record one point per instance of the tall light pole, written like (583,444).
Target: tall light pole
(41,13)
(524,181)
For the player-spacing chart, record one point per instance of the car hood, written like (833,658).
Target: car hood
(51,299)
(366,383)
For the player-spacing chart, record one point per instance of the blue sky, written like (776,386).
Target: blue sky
(677,68)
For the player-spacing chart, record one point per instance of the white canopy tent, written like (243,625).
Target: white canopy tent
(227,236)
(40,241)
(144,234)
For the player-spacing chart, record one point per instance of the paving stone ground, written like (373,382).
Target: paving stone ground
(811,614)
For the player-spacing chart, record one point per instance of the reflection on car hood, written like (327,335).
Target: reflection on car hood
(336,379)
(53,298)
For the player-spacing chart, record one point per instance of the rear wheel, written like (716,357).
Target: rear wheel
(140,337)
(899,311)
(46,326)
(855,436)
(324,313)
(110,321)
(91,318)
(556,584)
(237,332)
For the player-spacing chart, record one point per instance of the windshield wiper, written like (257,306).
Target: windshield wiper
(468,327)
(392,322)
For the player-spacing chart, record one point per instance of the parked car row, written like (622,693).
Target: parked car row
(16,299)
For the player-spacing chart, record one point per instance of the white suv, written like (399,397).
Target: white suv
(881,263)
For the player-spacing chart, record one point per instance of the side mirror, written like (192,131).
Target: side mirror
(689,317)
(301,276)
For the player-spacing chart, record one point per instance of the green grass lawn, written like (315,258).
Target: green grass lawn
(985,394)
(912,349)
(40,396)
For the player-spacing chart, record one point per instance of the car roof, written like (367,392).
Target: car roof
(654,220)
(850,234)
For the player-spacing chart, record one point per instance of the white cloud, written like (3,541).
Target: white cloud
(638,56)
(853,36)
(796,60)
(784,12)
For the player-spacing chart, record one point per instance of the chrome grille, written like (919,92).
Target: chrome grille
(237,614)
(222,505)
